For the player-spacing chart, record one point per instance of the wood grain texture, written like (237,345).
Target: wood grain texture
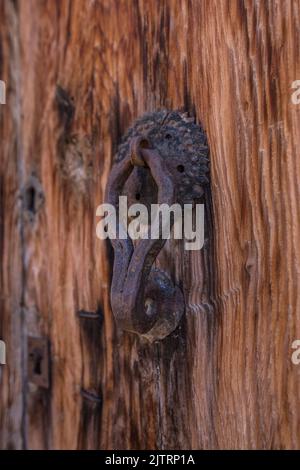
(12,380)
(80,73)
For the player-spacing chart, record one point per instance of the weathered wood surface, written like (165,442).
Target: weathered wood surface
(79,73)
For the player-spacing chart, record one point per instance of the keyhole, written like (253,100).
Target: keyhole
(37,366)
(37,362)
(30,199)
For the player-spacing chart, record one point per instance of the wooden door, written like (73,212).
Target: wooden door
(78,73)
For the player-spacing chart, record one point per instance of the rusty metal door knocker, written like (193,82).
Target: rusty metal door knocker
(162,159)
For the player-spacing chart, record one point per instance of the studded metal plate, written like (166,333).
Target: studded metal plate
(183,145)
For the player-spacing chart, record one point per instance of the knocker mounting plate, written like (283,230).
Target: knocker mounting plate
(183,146)
(162,159)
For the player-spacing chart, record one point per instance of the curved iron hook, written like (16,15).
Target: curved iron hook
(144,300)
